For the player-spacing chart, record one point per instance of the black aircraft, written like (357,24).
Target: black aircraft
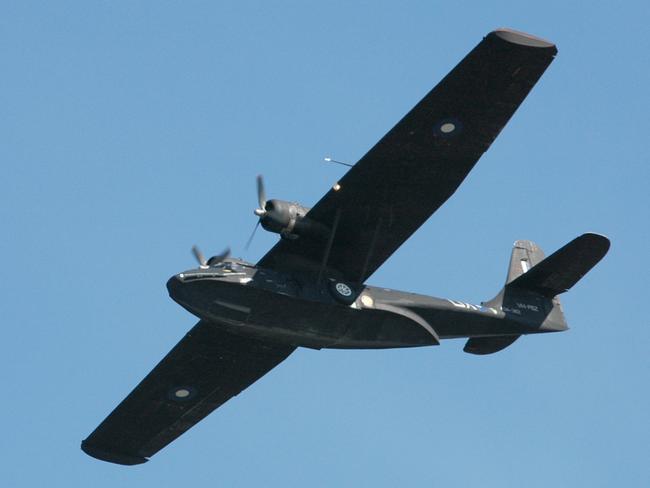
(309,290)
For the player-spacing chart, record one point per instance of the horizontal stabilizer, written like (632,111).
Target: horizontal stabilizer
(565,267)
(489,345)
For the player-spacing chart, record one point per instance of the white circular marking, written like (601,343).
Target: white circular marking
(367,301)
(336,187)
(447,128)
(182,393)
(343,289)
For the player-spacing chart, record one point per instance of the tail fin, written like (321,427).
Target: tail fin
(525,255)
(562,269)
(533,283)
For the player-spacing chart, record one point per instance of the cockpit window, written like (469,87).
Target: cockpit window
(230,266)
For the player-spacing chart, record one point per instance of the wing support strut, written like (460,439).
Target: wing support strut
(371,249)
(330,241)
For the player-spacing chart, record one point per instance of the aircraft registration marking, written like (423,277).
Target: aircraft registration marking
(527,306)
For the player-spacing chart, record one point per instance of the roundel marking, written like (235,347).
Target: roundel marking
(182,393)
(342,292)
(343,289)
(448,128)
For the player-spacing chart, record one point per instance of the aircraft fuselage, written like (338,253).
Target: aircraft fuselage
(285,308)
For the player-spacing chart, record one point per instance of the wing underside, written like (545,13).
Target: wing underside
(203,371)
(421,162)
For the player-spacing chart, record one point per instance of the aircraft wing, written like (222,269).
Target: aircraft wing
(420,163)
(202,372)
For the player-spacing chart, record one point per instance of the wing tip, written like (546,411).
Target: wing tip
(111,456)
(599,242)
(521,38)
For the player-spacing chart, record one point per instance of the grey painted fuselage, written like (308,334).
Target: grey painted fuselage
(279,307)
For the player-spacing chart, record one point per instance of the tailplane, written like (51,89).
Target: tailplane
(533,283)
(562,269)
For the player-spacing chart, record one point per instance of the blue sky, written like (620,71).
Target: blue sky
(132,130)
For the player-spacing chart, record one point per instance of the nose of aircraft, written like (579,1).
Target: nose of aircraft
(189,294)
(175,286)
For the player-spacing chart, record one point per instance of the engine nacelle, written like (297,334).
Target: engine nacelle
(288,219)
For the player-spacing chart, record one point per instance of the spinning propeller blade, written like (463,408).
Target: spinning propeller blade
(261,197)
(199,256)
(250,239)
(203,263)
(219,257)
(261,210)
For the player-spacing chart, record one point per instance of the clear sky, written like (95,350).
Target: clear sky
(130,130)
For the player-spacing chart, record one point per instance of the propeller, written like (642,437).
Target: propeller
(250,239)
(261,197)
(260,211)
(199,257)
(213,261)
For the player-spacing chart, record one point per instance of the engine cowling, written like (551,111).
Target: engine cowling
(288,219)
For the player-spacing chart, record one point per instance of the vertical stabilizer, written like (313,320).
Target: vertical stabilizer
(525,255)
